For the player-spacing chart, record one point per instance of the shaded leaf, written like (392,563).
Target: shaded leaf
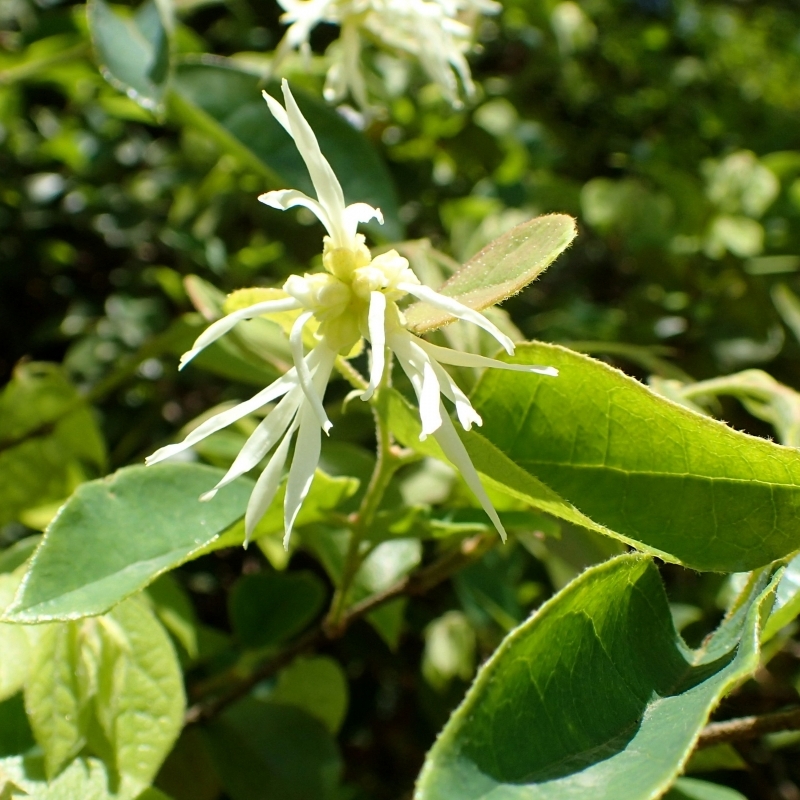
(270,607)
(611,713)
(13,644)
(316,685)
(692,789)
(266,751)
(224,101)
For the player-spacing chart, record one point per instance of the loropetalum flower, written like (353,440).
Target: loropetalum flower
(438,33)
(355,297)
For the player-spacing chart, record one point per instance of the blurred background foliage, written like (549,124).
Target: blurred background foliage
(669,128)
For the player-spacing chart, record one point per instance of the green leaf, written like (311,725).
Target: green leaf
(501,269)
(140,701)
(49,440)
(84,778)
(16,736)
(611,713)
(787,600)
(316,685)
(114,536)
(710,759)
(112,683)
(224,101)
(13,644)
(19,552)
(133,50)
(644,469)
(692,789)
(270,607)
(188,773)
(173,607)
(58,693)
(266,751)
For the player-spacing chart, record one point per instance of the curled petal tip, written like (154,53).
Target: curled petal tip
(327,427)
(204,498)
(552,372)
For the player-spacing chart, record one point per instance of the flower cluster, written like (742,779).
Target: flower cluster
(438,33)
(356,297)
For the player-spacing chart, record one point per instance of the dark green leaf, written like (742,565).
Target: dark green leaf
(114,536)
(266,751)
(267,608)
(611,713)
(224,101)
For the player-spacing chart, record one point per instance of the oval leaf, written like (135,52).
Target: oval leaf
(612,713)
(116,535)
(225,102)
(132,51)
(654,473)
(501,269)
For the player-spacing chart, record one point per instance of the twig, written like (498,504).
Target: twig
(743,728)
(411,585)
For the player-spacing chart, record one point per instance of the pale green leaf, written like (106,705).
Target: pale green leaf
(132,51)
(502,269)
(58,692)
(611,713)
(318,686)
(13,643)
(49,440)
(173,607)
(114,536)
(787,600)
(693,789)
(140,700)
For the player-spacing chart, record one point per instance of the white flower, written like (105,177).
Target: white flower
(437,33)
(355,297)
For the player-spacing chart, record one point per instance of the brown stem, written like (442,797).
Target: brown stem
(743,728)
(420,582)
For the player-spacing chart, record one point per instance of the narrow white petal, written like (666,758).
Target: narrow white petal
(275,390)
(376,323)
(467,415)
(454,449)
(458,310)
(263,439)
(284,199)
(301,473)
(326,184)
(222,326)
(361,212)
(278,111)
(266,486)
(303,371)
(444,355)
(429,402)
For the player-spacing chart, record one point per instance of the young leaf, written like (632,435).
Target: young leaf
(787,600)
(114,536)
(647,470)
(140,701)
(595,696)
(58,693)
(224,101)
(500,270)
(133,51)
(270,607)
(13,644)
(265,750)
